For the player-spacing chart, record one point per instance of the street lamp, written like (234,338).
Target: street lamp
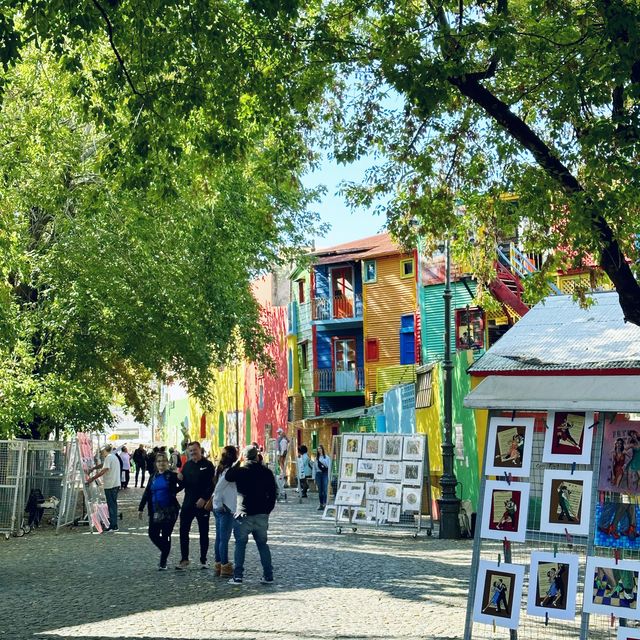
(449,502)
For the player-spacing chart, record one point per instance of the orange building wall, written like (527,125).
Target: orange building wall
(384,302)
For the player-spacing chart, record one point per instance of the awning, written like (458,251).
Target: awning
(557,393)
(357,412)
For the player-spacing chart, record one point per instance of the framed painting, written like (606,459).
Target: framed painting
(380,470)
(413,448)
(505,509)
(372,510)
(410,499)
(620,460)
(568,437)
(348,469)
(366,467)
(373,490)
(360,516)
(392,449)
(553,585)
(412,473)
(498,594)
(391,492)
(350,493)
(351,445)
(330,512)
(611,587)
(344,514)
(509,446)
(372,447)
(566,498)
(617,525)
(393,470)
(393,513)
(383,512)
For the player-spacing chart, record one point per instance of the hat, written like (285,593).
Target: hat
(250,453)
(280,431)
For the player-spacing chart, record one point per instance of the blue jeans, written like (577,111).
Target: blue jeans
(224,527)
(112,504)
(257,526)
(322,482)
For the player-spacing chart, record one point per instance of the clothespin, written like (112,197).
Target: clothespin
(546,618)
(513,415)
(567,535)
(573,467)
(507,477)
(498,559)
(555,549)
(613,620)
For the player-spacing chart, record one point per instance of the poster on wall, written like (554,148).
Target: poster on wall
(509,446)
(566,498)
(553,585)
(617,525)
(505,508)
(612,587)
(568,437)
(498,594)
(620,462)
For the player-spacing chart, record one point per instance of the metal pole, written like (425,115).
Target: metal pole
(449,503)
(237,414)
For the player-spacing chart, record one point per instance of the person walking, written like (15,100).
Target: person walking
(126,466)
(323,465)
(283,449)
(256,487)
(140,460)
(110,470)
(151,461)
(175,461)
(305,470)
(196,476)
(224,505)
(162,506)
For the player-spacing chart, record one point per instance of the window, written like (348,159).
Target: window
(406,268)
(372,349)
(469,329)
(300,290)
(369,271)
(424,388)
(407,340)
(304,355)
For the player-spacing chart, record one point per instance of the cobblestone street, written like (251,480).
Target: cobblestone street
(363,585)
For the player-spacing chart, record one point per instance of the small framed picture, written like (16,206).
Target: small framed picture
(383,512)
(366,467)
(329,512)
(628,633)
(392,448)
(350,493)
(617,525)
(344,514)
(413,448)
(359,516)
(498,594)
(410,499)
(509,446)
(393,470)
(611,587)
(380,470)
(351,445)
(566,498)
(373,490)
(412,473)
(393,513)
(505,509)
(372,510)
(553,584)
(348,469)
(372,447)
(568,437)
(391,493)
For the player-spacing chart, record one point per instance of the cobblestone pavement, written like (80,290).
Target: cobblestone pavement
(355,585)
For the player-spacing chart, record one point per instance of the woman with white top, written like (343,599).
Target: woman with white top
(323,467)
(224,499)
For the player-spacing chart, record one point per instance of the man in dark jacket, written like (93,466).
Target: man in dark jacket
(140,459)
(256,499)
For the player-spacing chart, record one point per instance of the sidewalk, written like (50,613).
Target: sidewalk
(363,585)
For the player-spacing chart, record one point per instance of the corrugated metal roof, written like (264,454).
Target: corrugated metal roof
(356,412)
(363,249)
(558,335)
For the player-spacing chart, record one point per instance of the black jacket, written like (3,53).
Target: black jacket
(256,487)
(197,481)
(140,457)
(174,487)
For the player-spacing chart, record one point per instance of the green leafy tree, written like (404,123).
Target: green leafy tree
(475,100)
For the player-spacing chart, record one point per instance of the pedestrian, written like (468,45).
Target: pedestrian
(196,477)
(283,449)
(323,464)
(162,506)
(151,461)
(305,470)
(140,460)
(126,466)
(110,469)
(256,498)
(175,461)
(224,505)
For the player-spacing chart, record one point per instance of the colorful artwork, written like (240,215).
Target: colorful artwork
(413,448)
(553,581)
(351,445)
(505,508)
(391,492)
(612,587)
(566,498)
(361,516)
(498,594)
(620,462)
(372,447)
(348,469)
(617,525)
(568,437)
(412,473)
(509,446)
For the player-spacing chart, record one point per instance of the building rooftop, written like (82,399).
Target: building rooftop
(558,335)
(362,249)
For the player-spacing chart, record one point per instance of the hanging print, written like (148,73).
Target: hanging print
(504,513)
(553,581)
(566,498)
(568,437)
(498,594)
(617,525)
(611,587)
(509,445)
(620,461)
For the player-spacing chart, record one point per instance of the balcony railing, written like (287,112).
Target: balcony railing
(338,381)
(336,308)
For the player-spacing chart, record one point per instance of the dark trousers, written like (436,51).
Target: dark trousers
(139,469)
(112,503)
(126,474)
(160,535)
(187,514)
(304,487)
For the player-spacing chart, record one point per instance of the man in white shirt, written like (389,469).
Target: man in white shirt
(126,466)
(283,449)
(110,470)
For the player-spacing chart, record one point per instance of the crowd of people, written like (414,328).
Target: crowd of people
(239,490)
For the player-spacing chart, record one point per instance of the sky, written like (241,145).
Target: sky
(345,225)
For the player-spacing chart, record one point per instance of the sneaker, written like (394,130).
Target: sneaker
(182,565)
(320,508)
(235,581)
(204,565)
(264,580)
(162,567)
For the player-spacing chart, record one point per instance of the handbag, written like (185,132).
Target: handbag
(165,514)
